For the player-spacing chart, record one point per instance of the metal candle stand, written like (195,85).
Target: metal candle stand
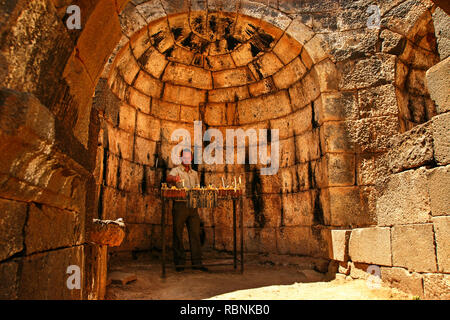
(204,198)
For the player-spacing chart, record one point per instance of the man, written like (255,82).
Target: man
(179,176)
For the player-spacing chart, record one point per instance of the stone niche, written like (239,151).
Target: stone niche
(229,71)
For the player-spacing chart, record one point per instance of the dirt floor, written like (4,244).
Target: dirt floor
(265,278)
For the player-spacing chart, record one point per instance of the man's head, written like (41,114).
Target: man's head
(186,157)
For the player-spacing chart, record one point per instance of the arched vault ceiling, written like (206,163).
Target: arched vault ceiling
(196,58)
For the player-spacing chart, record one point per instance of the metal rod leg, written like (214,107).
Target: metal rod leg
(241,216)
(234,235)
(163,238)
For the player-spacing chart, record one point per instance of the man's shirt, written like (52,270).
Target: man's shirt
(190,177)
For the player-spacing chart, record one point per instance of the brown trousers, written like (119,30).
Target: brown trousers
(182,215)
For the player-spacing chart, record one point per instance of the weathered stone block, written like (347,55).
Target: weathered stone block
(437,82)
(184,95)
(404,199)
(372,134)
(297,209)
(290,74)
(188,76)
(371,245)
(342,207)
(144,151)
(441,139)
(442,235)
(299,96)
(148,85)
(317,48)
(393,42)
(339,244)
(12,220)
(165,110)
(232,77)
(43,275)
(189,114)
(436,286)
(367,168)
(264,86)
(439,190)
(287,48)
(287,152)
(411,149)
(153,62)
(341,169)
(148,127)
(9,284)
(131,175)
(378,101)
(413,247)
(367,72)
(304,171)
(293,240)
(307,146)
(136,209)
(215,114)
(300,31)
(127,118)
(336,137)
(265,66)
(338,106)
(403,280)
(264,107)
(49,228)
(441,23)
(114,205)
(138,100)
(228,94)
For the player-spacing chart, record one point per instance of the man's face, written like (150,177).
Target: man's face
(186,158)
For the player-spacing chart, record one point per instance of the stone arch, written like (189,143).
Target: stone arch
(416,51)
(236,86)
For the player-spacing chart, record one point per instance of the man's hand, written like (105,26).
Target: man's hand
(173,179)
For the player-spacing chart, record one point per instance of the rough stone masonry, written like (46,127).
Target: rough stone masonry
(363,115)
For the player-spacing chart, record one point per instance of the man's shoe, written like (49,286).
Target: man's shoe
(204,269)
(179,269)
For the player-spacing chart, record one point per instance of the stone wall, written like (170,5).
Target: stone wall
(410,243)
(42,203)
(334,84)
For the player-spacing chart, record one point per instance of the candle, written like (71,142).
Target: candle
(223,182)
(235,184)
(182,181)
(240,181)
